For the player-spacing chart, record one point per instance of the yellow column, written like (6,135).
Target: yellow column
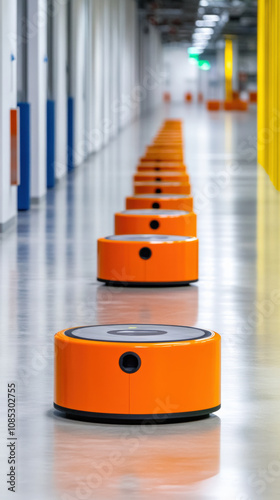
(261,82)
(228,69)
(269,88)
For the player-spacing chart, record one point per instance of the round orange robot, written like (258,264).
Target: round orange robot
(155,222)
(162,187)
(163,156)
(147,260)
(161,167)
(131,373)
(164,149)
(160,201)
(162,177)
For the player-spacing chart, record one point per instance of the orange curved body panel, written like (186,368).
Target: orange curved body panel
(163,177)
(169,138)
(165,156)
(182,225)
(165,188)
(161,167)
(174,377)
(164,148)
(171,128)
(175,161)
(165,202)
(168,142)
(213,105)
(253,96)
(120,261)
(146,161)
(166,97)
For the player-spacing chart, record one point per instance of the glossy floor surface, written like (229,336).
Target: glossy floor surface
(48,282)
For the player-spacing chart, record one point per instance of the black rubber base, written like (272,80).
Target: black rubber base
(115,418)
(145,283)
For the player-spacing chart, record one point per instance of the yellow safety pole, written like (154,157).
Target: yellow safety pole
(261,82)
(269,88)
(277,100)
(228,69)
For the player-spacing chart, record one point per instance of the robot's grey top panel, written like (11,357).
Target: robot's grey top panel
(163,196)
(154,212)
(152,238)
(138,333)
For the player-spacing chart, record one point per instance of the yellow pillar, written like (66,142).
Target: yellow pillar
(261,81)
(269,88)
(228,69)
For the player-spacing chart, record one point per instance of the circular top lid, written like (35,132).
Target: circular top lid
(156,212)
(152,238)
(163,196)
(138,333)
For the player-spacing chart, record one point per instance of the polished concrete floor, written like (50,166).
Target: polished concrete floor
(48,282)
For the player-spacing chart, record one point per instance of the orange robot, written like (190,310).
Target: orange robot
(160,201)
(161,167)
(163,187)
(147,260)
(168,142)
(155,222)
(160,163)
(164,148)
(130,373)
(164,156)
(162,177)
(169,137)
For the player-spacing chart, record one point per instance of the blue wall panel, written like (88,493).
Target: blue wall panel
(70,134)
(50,144)
(24,131)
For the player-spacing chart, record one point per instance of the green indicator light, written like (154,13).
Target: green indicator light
(204,65)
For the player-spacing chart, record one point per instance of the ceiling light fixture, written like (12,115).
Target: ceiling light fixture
(206,24)
(207,31)
(211,17)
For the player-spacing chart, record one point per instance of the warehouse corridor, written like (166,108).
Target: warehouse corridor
(48,283)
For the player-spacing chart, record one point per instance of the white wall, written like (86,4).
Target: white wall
(181,75)
(95,135)
(60,87)
(149,68)
(37,93)
(115,75)
(120,87)
(8,100)
(107,60)
(116,57)
(78,65)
